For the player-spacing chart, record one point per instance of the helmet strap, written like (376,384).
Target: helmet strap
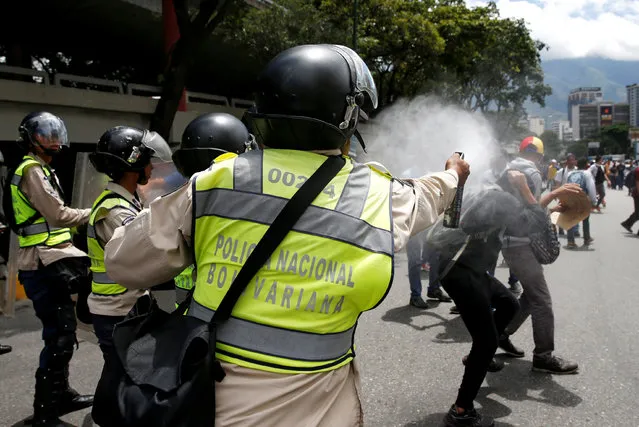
(351,109)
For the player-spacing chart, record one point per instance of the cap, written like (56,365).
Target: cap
(531,144)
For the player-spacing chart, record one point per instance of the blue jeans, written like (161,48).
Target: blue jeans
(52,304)
(417,252)
(575,229)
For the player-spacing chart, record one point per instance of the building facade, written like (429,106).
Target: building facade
(536,125)
(560,128)
(580,96)
(590,118)
(632,92)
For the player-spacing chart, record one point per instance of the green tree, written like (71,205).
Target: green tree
(470,56)
(266,32)
(552,144)
(614,139)
(489,62)
(578,148)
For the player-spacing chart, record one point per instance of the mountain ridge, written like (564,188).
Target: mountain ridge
(564,75)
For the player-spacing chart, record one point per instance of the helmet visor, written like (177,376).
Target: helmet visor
(165,179)
(362,77)
(50,133)
(157,145)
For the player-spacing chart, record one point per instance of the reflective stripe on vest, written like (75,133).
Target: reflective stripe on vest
(300,311)
(102,284)
(33,228)
(276,341)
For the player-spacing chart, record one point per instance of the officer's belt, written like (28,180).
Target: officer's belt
(33,229)
(275,341)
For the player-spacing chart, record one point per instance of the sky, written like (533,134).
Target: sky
(579,28)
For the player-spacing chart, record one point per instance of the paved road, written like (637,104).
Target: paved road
(411,359)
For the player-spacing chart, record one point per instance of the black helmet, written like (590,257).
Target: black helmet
(44,130)
(126,149)
(311,97)
(209,136)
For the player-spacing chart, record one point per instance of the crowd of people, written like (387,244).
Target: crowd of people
(287,352)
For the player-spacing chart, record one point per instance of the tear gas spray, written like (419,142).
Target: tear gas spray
(453,213)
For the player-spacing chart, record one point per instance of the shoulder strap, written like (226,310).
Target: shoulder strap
(282,224)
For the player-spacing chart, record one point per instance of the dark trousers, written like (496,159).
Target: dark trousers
(104,326)
(575,229)
(601,193)
(634,217)
(476,294)
(53,305)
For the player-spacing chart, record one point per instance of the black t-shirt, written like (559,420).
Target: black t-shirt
(600,176)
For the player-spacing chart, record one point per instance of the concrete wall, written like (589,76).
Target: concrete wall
(87,113)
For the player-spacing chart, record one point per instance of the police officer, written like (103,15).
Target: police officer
(47,261)
(124,154)
(299,314)
(207,138)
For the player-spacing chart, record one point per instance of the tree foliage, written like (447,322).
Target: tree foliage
(614,139)
(470,56)
(578,148)
(552,144)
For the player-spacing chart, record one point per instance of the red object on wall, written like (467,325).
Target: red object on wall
(171,36)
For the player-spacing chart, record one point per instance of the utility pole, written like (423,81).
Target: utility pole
(355,25)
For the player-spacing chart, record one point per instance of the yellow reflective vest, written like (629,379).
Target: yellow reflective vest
(102,284)
(299,313)
(33,227)
(183,284)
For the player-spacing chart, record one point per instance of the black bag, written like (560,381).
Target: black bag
(543,240)
(162,371)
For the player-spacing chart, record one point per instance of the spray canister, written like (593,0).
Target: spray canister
(452,214)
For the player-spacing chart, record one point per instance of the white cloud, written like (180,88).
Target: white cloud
(579,28)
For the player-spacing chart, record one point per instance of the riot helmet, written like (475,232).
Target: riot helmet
(43,130)
(127,149)
(312,97)
(209,136)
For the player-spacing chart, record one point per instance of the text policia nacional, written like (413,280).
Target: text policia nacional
(287,296)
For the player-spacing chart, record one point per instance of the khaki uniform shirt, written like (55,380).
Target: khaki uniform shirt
(45,199)
(105,225)
(154,248)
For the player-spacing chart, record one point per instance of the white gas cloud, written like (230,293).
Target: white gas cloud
(579,28)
